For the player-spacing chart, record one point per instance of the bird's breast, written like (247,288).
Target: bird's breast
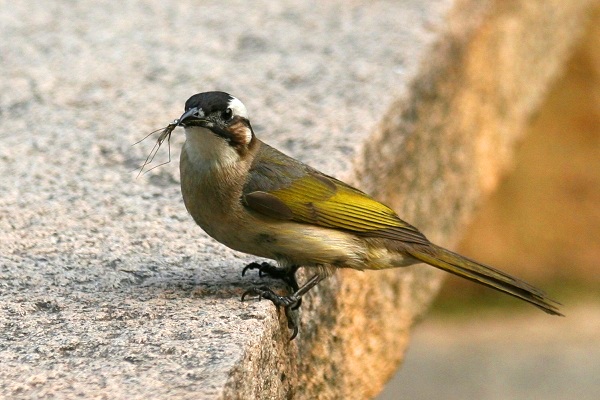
(211,195)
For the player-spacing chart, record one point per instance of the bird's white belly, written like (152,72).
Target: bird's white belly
(296,244)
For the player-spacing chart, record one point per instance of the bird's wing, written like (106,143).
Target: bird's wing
(308,196)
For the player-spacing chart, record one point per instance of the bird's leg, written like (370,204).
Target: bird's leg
(288,275)
(290,303)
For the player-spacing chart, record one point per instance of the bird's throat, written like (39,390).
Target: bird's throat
(208,151)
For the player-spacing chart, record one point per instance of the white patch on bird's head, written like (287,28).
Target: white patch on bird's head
(238,107)
(240,130)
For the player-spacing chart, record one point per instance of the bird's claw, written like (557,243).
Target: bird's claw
(288,275)
(264,292)
(289,303)
(293,321)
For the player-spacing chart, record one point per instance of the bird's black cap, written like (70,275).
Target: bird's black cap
(209,101)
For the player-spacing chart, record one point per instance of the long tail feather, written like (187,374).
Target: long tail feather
(485,275)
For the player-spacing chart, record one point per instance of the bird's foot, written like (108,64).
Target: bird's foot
(288,275)
(264,292)
(290,304)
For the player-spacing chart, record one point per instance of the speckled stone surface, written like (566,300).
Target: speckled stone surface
(107,288)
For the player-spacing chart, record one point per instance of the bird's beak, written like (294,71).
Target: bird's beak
(192,117)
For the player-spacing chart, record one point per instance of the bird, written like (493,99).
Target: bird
(255,199)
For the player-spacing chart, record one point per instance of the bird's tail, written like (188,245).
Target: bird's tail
(485,275)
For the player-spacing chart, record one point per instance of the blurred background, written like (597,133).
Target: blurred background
(543,225)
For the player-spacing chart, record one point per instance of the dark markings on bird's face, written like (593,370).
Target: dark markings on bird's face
(219,110)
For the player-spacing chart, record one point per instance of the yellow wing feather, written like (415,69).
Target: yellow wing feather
(325,201)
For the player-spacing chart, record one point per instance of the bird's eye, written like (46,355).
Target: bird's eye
(227,114)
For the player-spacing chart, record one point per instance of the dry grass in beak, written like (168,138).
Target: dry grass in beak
(165,133)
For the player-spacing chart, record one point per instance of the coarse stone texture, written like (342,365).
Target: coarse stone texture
(108,289)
